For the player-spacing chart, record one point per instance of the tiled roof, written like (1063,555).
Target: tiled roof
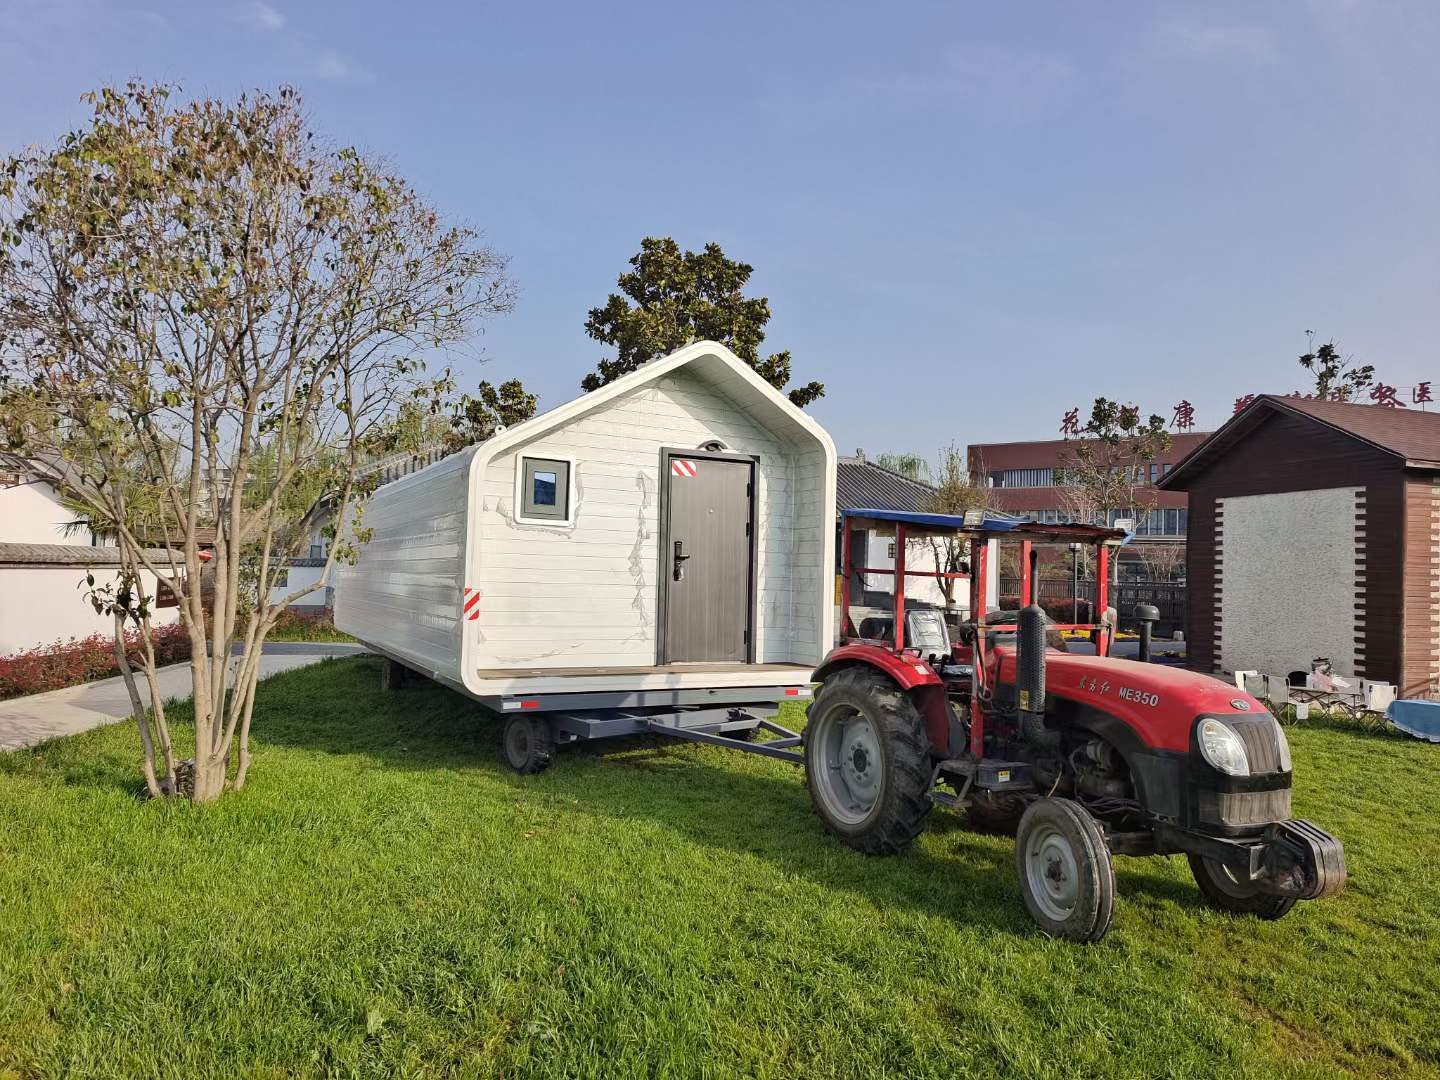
(67,555)
(864,484)
(1409,434)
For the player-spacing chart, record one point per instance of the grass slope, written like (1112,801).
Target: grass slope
(387,899)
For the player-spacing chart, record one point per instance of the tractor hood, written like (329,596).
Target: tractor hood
(1160,703)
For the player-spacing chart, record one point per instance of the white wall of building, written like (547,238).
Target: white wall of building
(300,577)
(31,513)
(42,605)
(1287,580)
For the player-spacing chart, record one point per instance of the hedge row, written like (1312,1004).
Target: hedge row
(79,660)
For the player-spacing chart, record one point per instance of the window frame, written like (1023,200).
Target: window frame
(555,521)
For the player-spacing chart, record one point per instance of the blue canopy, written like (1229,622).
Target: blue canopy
(990,523)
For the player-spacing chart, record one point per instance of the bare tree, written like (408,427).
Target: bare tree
(955,493)
(1160,560)
(208,315)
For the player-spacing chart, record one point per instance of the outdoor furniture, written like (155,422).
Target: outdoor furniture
(1418,718)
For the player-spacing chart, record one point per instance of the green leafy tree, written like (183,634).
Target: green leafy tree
(670,298)
(210,320)
(478,418)
(911,465)
(1337,378)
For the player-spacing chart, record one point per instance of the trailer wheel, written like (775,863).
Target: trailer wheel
(867,762)
(1066,878)
(1224,892)
(997,814)
(529,744)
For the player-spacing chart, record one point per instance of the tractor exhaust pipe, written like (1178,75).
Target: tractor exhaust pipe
(1147,615)
(1030,671)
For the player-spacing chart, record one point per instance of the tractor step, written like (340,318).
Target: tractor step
(990,774)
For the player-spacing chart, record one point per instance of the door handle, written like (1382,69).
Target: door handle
(680,558)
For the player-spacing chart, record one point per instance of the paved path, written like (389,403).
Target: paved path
(29,720)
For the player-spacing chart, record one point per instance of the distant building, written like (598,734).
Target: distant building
(1021,478)
(1315,531)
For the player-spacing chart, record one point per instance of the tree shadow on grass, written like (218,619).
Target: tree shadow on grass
(955,874)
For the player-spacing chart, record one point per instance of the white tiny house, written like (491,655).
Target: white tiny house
(672,531)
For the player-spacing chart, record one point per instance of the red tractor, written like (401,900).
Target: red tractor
(1082,756)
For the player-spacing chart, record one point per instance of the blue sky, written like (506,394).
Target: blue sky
(968,217)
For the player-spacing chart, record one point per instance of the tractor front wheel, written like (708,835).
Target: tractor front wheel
(867,762)
(1226,892)
(1066,877)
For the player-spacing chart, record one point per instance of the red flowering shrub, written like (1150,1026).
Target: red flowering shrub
(79,660)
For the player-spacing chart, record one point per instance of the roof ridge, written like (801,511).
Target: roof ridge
(898,475)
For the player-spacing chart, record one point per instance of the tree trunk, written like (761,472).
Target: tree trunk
(137,707)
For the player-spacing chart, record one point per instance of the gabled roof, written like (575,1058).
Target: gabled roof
(1408,434)
(730,376)
(862,483)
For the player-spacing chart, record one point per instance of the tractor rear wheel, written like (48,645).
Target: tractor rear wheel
(1225,892)
(867,762)
(528,743)
(1066,877)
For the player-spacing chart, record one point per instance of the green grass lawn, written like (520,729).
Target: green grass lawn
(386,898)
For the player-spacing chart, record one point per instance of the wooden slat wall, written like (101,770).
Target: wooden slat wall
(1420,667)
(1287,453)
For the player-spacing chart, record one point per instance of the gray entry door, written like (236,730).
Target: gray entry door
(706,562)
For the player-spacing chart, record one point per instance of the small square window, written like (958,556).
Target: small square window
(545,489)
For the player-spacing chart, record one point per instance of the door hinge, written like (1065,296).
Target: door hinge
(747,637)
(747,528)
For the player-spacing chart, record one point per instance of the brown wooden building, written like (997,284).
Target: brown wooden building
(1315,531)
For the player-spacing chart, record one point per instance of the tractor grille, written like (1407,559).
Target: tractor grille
(1233,809)
(1261,736)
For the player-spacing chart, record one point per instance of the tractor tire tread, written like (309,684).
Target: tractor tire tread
(903,731)
(1098,912)
(1261,905)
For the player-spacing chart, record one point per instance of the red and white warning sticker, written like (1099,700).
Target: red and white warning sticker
(471,606)
(682,467)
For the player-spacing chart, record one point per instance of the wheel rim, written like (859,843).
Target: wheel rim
(517,743)
(1052,872)
(851,773)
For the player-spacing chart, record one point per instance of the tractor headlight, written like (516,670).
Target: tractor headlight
(1222,748)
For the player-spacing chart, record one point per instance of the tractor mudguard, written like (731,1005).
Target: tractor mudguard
(913,675)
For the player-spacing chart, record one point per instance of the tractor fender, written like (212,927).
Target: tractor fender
(912,675)
(906,672)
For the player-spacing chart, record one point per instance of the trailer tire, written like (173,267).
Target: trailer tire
(528,744)
(1223,893)
(1066,877)
(999,816)
(867,762)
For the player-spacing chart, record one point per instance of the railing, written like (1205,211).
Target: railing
(1059,596)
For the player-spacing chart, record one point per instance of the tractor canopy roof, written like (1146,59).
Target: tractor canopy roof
(988,524)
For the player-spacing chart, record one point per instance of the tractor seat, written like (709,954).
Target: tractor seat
(877,629)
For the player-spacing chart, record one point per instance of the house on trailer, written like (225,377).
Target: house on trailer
(674,529)
(1315,532)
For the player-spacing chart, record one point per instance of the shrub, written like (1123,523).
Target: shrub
(79,660)
(297,624)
